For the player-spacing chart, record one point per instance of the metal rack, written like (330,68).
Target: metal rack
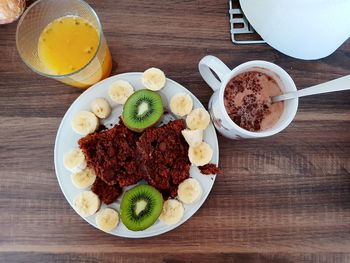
(241,30)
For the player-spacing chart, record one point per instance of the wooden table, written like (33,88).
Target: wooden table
(281,199)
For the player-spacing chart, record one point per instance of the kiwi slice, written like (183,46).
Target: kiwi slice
(142,109)
(140,207)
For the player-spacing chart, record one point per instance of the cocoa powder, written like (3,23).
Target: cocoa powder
(247,101)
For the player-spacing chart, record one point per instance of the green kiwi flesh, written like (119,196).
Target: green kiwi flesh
(140,207)
(142,109)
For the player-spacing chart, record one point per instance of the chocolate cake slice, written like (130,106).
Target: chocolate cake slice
(113,155)
(164,154)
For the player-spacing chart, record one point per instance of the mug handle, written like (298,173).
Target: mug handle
(209,63)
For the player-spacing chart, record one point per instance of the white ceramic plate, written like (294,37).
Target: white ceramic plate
(67,139)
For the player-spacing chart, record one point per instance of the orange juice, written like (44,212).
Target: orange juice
(67,45)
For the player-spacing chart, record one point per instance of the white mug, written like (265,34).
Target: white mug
(219,116)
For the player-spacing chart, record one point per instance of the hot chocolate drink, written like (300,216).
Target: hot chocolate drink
(247,101)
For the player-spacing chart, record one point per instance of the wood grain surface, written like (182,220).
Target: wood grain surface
(281,199)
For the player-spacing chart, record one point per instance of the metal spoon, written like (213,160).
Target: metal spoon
(339,84)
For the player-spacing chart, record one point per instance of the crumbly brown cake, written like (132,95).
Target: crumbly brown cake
(164,154)
(107,193)
(121,157)
(209,168)
(113,155)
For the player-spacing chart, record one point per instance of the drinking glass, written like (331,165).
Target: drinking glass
(37,17)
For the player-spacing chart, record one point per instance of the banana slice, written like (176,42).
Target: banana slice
(153,79)
(86,203)
(74,160)
(181,104)
(172,212)
(120,90)
(101,108)
(193,137)
(200,154)
(84,122)
(198,119)
(107,219)
(189,191)
(84,178)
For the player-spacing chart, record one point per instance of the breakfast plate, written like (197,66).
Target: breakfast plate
(67,139)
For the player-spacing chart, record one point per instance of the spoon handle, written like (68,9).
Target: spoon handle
(339,84)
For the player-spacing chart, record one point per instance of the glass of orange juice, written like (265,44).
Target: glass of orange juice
(64,40)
